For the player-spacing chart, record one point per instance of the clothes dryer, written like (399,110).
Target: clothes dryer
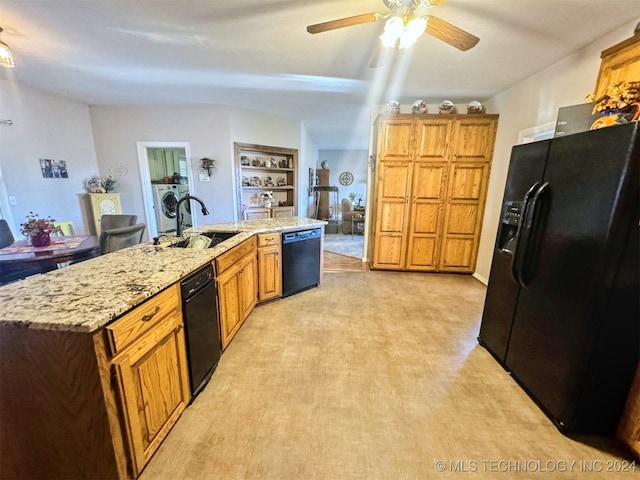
(165,199)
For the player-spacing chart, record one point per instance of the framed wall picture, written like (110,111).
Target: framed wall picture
(311,181)
(53,168)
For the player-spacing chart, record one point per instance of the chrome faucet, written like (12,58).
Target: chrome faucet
(179,217)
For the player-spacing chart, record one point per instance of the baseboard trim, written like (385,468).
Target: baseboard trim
(480,278)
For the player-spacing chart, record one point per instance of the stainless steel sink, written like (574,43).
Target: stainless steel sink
(216,238)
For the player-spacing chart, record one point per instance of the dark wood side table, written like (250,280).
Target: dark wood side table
(357,222)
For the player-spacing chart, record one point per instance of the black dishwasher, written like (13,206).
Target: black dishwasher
(300,261)
(201,327)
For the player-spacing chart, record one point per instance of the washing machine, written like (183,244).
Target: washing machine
(165,199)
(185,207)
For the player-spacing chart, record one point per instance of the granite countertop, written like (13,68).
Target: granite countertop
(88,295)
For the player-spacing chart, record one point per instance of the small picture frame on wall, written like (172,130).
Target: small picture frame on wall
(311,178)
(53,168)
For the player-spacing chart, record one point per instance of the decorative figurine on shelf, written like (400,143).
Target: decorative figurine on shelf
(419,106)
(268,182)
(266,198)
(446,107)
(393,106)
(281,182)
(474,107)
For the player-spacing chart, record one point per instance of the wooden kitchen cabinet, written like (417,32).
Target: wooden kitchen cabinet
(89,405)
(269,266)
(393,187)
(237,280)
(620,63)
(257,213)
(151,372)
(164,162)
(431,183)
(282,212)
(262,213)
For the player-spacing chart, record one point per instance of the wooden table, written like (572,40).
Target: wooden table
(20,259)
(357,223)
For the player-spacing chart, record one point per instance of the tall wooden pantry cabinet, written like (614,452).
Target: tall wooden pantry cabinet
(431,184)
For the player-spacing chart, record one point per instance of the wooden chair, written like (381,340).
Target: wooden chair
(108,222)
(6,237)
(118,238)
(64,229)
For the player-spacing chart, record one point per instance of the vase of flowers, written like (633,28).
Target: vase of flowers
(37,229)
(98,184)
(619,104)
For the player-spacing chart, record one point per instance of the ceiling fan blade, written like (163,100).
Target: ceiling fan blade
(344,22)
(450,34)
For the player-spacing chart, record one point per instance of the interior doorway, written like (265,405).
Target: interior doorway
(5,211)
(166,176)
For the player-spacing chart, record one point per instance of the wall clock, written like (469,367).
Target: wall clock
(346,178)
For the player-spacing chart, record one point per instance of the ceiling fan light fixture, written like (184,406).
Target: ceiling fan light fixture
(6,59)
(412,31)
(393,30)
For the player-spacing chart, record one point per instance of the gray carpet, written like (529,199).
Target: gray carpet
(352,246)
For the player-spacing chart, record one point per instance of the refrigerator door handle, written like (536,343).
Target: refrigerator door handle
(532,226)
(520,231)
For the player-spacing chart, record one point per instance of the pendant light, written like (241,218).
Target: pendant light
(6,59)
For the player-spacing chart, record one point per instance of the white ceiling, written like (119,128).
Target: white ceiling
(257,54)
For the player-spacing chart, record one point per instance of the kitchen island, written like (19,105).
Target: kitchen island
(93,365)
(90,294)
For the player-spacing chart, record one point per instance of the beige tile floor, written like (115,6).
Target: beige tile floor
(373,375)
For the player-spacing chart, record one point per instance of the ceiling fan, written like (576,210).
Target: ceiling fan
(405,23)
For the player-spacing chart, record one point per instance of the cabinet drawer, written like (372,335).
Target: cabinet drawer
(230,257)
(122,332)
(268,239)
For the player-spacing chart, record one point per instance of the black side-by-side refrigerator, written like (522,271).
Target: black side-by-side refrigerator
(562,307)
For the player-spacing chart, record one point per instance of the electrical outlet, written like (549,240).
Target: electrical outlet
(12,200)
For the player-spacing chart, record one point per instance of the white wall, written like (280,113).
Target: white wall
(206,129)
(44,126)
(210,131)
(535,101)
